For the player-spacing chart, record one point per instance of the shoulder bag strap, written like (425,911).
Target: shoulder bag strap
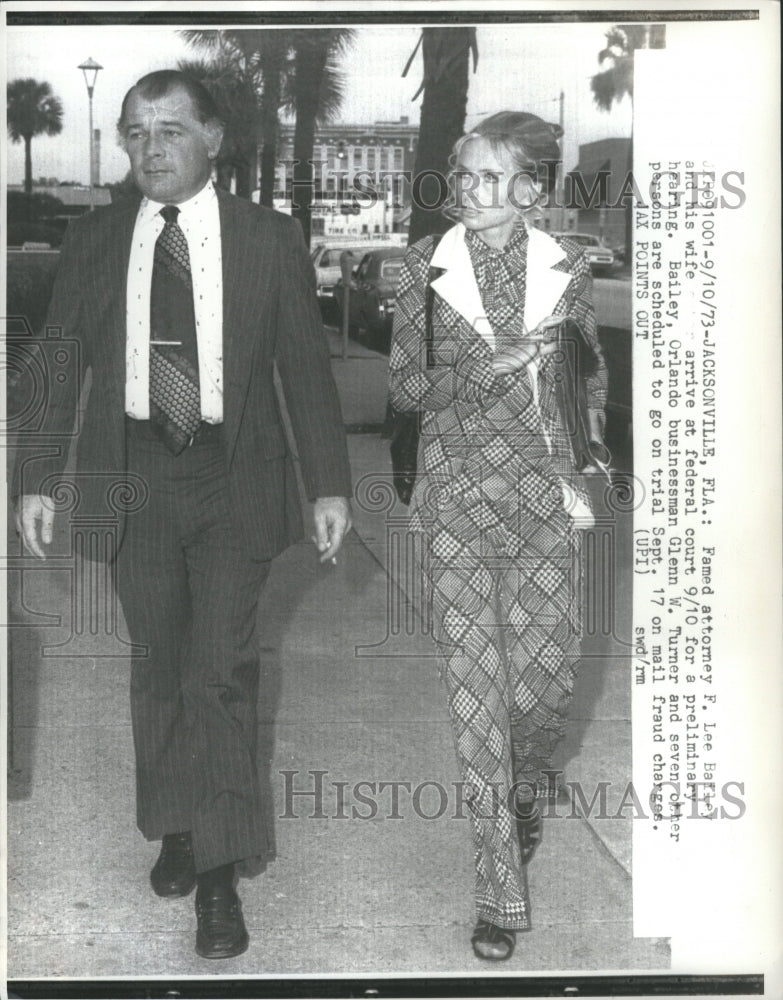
(429,300)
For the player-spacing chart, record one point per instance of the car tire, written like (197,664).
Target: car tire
(330,313)
(363,330)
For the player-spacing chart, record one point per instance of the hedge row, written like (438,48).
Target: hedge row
(30,277)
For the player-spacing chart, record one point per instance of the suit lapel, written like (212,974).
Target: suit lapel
(248,264)
(112,276)
(457,284)
(544,287)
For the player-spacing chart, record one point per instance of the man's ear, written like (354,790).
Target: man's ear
(214,137)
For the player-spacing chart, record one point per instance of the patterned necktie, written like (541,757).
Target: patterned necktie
(175,405)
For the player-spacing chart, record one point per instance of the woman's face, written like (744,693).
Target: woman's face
(489,191)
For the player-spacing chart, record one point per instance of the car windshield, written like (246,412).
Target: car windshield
(390,269)
(331,258)
(586,241)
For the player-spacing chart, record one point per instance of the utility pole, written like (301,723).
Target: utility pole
(90,68)
(560,180)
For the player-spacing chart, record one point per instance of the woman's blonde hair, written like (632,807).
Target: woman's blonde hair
(532,144)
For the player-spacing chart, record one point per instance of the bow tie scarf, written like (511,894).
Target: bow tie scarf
(175,405)
(523,461)
(500,275)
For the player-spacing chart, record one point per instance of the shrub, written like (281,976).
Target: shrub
(34,232)
(32,207)
(30,277)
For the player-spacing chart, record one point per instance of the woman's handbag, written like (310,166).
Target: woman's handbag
(578,360)
(404,448)
(406,425)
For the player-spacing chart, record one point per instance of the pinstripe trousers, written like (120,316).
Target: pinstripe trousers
(190,592)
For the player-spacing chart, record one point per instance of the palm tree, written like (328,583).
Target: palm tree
(273,49)
(446,55)
(273,70)
(234,78)
(237,101)
(615,81)
(32,110)
(257,58)
(317,96)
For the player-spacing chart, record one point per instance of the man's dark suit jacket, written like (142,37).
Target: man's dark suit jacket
(270,315)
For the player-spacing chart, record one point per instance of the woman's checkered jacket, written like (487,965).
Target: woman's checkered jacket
(495,445)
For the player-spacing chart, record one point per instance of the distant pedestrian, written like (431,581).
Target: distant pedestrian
(183,301)
(498,499)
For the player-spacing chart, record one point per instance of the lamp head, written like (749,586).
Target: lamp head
(90,69)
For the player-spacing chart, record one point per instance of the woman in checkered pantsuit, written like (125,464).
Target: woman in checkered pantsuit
(497,500)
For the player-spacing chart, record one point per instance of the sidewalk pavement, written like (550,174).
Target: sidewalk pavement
(350,690)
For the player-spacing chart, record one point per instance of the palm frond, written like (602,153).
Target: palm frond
(204,39)
(32,109)
(615,80)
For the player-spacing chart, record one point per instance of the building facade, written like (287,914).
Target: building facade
(363,182)
(596,186)
(362,176)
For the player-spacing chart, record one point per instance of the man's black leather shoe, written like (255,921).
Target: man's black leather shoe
(221,929)
(174,873)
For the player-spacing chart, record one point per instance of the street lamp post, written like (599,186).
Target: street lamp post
(90,69)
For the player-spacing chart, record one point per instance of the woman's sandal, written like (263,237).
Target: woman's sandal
(528,829)
(492,937)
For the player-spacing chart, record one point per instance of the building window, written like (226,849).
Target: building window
(397,158)
(371,157)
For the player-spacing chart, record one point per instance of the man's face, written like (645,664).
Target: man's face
(170,150)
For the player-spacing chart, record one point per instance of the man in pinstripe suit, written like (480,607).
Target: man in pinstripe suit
(182,304)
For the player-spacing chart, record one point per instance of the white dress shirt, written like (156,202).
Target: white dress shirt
(199,219)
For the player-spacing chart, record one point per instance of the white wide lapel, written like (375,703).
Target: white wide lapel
(543,287)
(457,285)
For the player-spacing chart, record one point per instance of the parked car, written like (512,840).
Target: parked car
(619,253)
(326,261)
(616,345)
(599,256)
(373,296)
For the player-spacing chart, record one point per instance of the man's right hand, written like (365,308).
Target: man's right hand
(30,509)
